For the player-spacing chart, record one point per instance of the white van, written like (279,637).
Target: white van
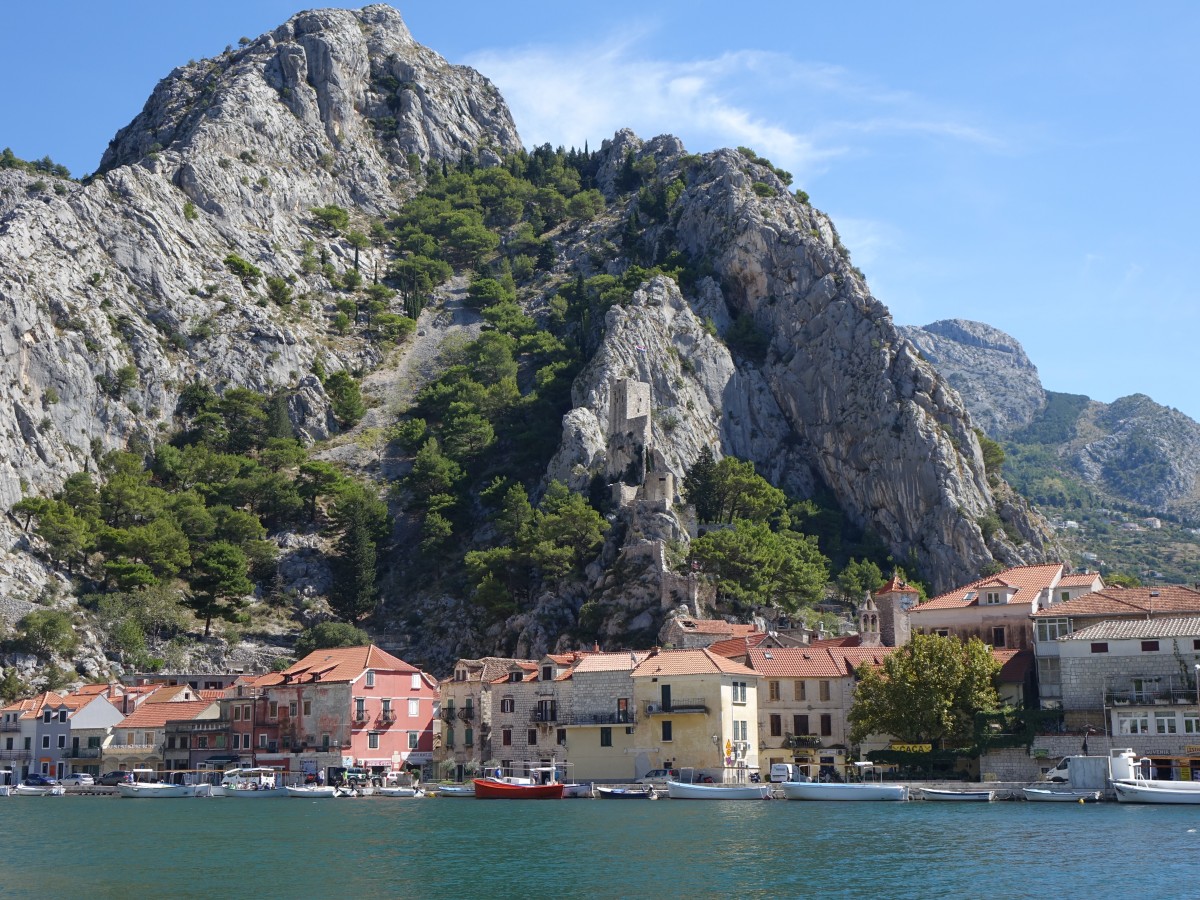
(784,772)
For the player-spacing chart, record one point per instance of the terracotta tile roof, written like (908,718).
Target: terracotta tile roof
(896,586)
(1015,665)
(1028,580)
(528,667)
(1125,629)
(156,715)
(714,626)
(172,693)
(1084,579)
(621,661)
(1167,599)
(797,662)
(207,694)
(846,640)
(342,664)
(688,662)
(863,656)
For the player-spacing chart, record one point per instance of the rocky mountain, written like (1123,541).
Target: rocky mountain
(1131,451)
(119,292)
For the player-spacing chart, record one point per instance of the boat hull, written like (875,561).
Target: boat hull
(156,791)
(499,790)
(583,791)
(1128,792)
(646,793)
(958,796)
(24,790)
(813,790)
(1044,795)
(247,793)
(678,791)
(311,792)
(455,790)
(400,792)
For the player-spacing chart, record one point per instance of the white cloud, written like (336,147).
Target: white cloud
(569,95)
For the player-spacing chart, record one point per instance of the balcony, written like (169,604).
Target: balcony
(132,749)
(675,707)
(16,754)
(10,726)
(544,715)
(797,741)
(606,718)
(361,716)
(387,716)
(467,714)
(82,753)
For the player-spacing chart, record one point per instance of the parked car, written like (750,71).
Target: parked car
(659,776)
(79,779)
(114,778)
(36,780)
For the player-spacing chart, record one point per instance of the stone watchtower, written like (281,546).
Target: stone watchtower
(894,600)
(868,622)
(629,427)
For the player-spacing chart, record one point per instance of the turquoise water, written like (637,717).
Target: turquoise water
(101,847)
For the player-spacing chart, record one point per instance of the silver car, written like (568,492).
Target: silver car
(78,779)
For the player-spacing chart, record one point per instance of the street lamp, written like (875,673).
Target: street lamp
(1198,684)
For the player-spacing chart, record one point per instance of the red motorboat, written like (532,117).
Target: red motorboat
(497,789)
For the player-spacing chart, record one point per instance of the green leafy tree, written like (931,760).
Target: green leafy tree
(12,688)
(465,433)
(361,519)
(432,473)
(730,489)
(46,632)
(278,290)
(345,398)
(931,689)
(329,635)
(246,272)
(857,578)
(332,218)
(566,532)
(219,583)
(699,486)
(756,566)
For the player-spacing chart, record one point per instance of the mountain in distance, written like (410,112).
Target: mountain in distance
(597,319)
(1074,456)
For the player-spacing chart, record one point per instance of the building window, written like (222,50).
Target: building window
(1052,629)
(273,710)
(416,681)
(1164,723)
(798,689)
(776,726)
(561,739)
(201,743)
(772,690)
(370,678)
(532,737)
(450,738)
(292,709)
(991,598)
(413,736)
(824,691)
(507,705)
(1149,646)
(308,707)
(1191,723)
(547,673)
(62,741)
(740,726)
(468,737)
(605,737)
(826,725)
(942,632)
(739,692)
(45,742)
(246,741)
(62,715)
(1065,595)
(262,741)
(506,737)
(414,708)
(800,725)
(666,729)
(46,716)
(1049,676)
(360,708)
(385,706)
(237,714)
(373,740)
(1196,643)
(998,637)
(1133,723)
(1100,647)
(246,712)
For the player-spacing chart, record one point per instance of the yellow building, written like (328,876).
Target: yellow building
(697,710)
(601,722)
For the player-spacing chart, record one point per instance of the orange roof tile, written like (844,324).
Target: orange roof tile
(156,715)
(1083,579)
(610,662)
(688,662)
(896,586)
(715,626)
(1167,599)
(342,664)
(1015,665)
(1028,580)
(797,662)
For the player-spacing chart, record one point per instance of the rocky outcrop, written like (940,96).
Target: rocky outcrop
(989,369)
(127,271)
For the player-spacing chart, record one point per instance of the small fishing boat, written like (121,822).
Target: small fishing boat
(454,790)
(817,790)
(398,791)
(513,789)
(583,791)
(1157,791)
(967,796)
(646,792)
(315,791)
(146,786)
(257,783)
(39,790)
(677,790)
(1048,795)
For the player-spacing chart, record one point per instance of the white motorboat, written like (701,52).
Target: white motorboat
(145,785)
(816,790)
(314,792)
(578,790)
(252,784)
(398,791)
(455,790)
(677,790)
(1066,795)
(39,790)
(1157,791)
(967,796)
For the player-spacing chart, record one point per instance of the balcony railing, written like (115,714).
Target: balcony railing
(387,716)
(467,714)
(16,754)
(118,749)
(683,705)
(82,752)
(795,741)
(10,726)
(1163,697)
(361,715)
(447,714)
(607,718)
(544,715)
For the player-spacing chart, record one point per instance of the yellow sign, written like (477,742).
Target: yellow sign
(1191,748)
(910,748)
(728,747)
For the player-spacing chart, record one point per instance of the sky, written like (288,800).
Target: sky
(1034,166)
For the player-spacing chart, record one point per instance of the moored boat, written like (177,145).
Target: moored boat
(500,789)
(39,790)
(156,790)
(677,790)
(454,790)
(583,791)
(1157,791)
(400,792)
(968,796)
(1066,795)
(253,783)
(817,790)
(313,792)
(646,792)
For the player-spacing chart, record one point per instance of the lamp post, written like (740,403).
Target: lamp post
(1198,684)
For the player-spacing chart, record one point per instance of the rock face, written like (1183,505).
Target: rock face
(227,157)
(1133,450)
(989,369)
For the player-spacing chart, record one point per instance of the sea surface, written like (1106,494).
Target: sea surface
(449,848)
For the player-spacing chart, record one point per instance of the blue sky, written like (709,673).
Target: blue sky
(1030,165)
